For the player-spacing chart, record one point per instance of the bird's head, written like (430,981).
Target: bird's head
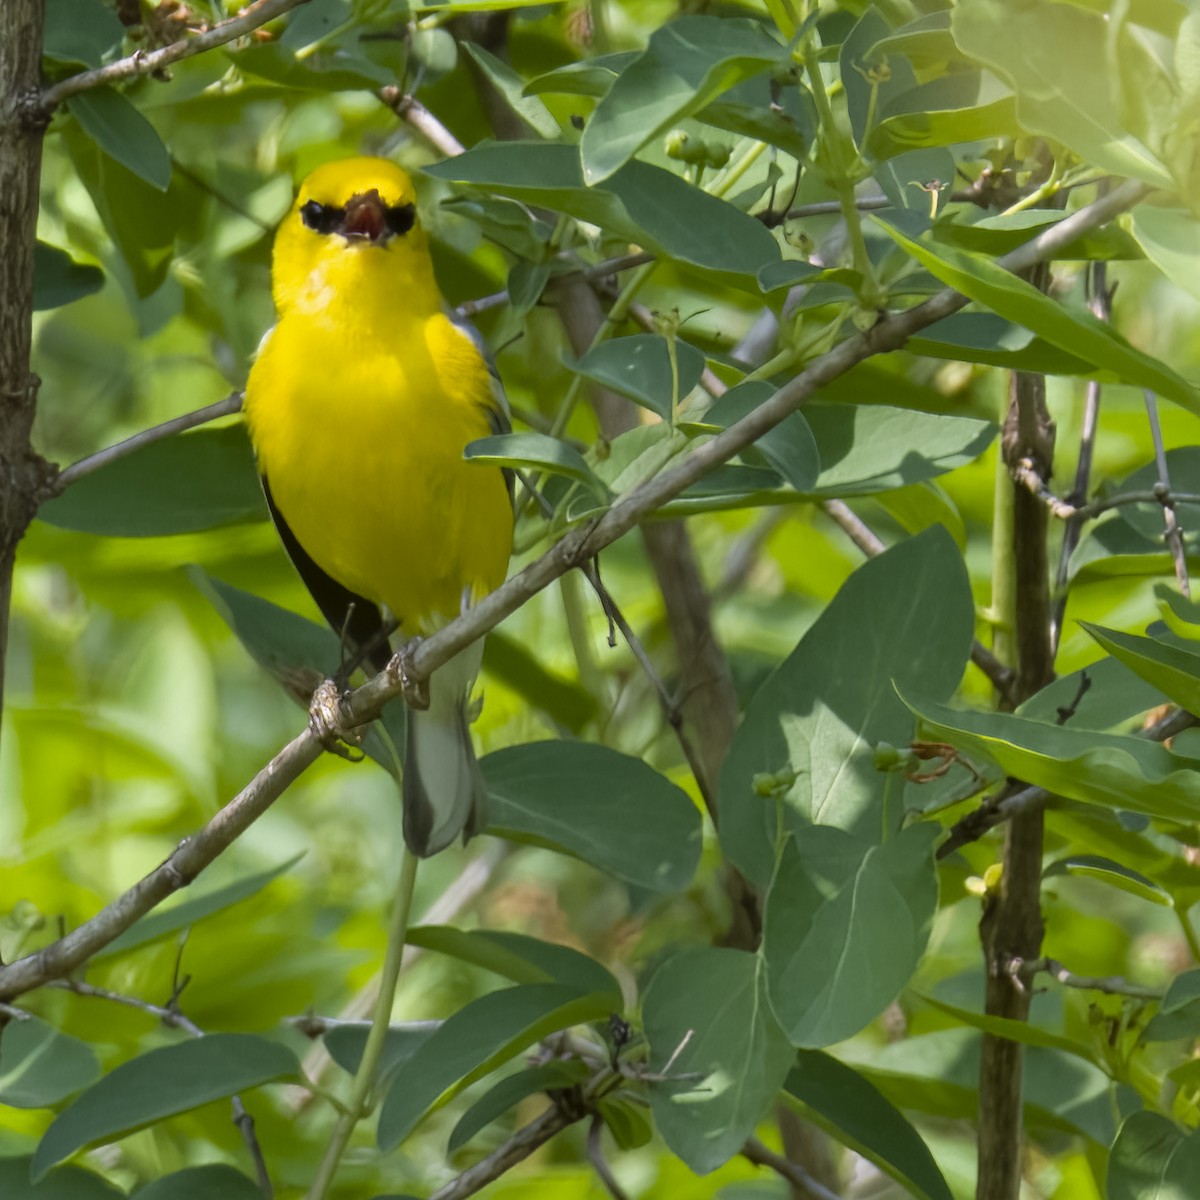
(354,223)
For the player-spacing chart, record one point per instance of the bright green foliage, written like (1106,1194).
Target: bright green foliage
(675,955)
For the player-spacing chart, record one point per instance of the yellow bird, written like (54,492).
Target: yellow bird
(359,404)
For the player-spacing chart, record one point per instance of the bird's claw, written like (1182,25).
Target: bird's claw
(416,691)
(325,721)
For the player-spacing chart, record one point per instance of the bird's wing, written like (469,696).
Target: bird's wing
(342,608)
(498,415)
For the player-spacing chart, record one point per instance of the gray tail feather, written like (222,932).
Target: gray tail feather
(444,791)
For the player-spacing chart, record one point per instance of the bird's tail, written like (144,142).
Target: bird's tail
(444,792)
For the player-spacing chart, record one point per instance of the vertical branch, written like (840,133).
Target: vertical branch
(1011,928)
(22,472)
(1174,534)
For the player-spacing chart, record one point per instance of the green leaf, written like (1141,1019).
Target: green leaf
(346,1043)
(1153,1159)
(198,480)
(67,1183)
(518,957)
(871,78)
(509,1092)
(1115,696)
(525,284)
(58,278)
(123,134)
(963,107)
(863,910)
(980,337)
(1077,332)
(758,108)
(997,235)
(336,71)
(867,448)
(537,451)
(855,1112)
(789,449)
(511,88)
(1174,670)
(686,65)
(639,367)
(160,1084)
(1094,768)
(213,1182)
(1024,1032)
(1093,866)
(1170,238)
(585,800)
(588,77)
(567,703)
(80,32)
(710,1006)
(476,1040)
(1049,54)
(1183,470)
(640,203)
(165,921)
(299,654)
(40,1066)
(1184,990)
(906,616)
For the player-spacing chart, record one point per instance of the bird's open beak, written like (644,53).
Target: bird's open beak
(366,219)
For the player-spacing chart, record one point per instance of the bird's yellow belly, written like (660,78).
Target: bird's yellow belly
(363,453)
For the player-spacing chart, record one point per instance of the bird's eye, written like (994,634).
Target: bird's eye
(400,218)
(321,218)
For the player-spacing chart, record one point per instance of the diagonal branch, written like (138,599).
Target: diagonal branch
(576,548)
(143,62)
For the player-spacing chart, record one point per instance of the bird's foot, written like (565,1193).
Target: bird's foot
(325,721)
(399,669)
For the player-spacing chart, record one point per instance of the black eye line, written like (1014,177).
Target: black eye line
(400,217)
(321,218)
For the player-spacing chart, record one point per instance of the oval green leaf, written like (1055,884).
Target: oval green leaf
(123,134)
(40,1066)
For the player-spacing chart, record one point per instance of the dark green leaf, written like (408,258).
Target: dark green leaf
(1115,696)
(67,1183)
(1000,234)
(213,1182)
(789,448)
(589,801)
(640,367)
(687,64)
(80,32)
(589,77)
(518,957)
(856,1113)
(345,1044)
(785,117)
(40,1066)
(526,281)
(863,910)
(1092,866)
(1184,990)
(159,1084)
(1153,1159)
(197,480)
(871,78)
(1077,332)
(711,1007)
(640,203)
(476,1040)
(867,448)
(335,71)
(1174,670)
(123,133)
(1094,768)
(537,451)
(1183,469)
(165,921)
(813,726)
(508,1093)
(1171,239)
(510,86)
(986,338)
(58,278)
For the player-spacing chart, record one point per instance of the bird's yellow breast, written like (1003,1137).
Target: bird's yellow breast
(359,415)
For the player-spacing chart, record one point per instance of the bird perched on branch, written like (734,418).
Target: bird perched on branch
(359,404)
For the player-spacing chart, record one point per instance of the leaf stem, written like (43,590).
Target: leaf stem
(364,1079)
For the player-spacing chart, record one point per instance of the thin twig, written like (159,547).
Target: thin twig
(1170,519)
(1114,985)
(1100,302)
(150,62)
(854,527)
(169,1014)
(595,1153)
(410,110)
(795,1174)
(102,458)
(575,548)
(518,1147)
